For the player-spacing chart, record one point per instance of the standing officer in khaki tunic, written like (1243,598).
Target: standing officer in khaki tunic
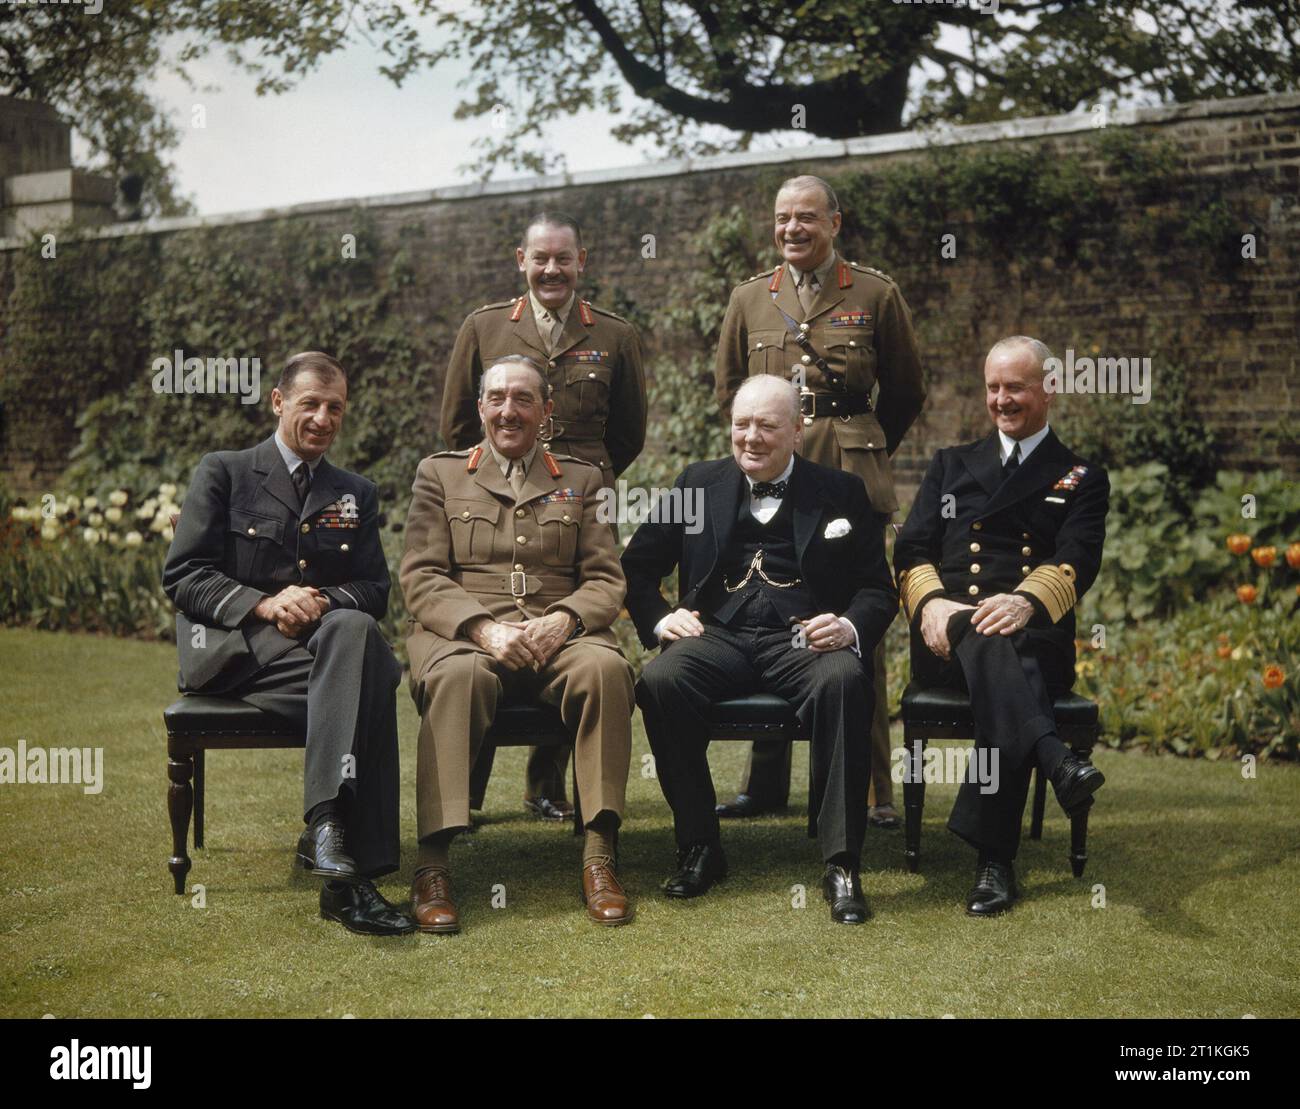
(836,329)
(513,583)
(593,367)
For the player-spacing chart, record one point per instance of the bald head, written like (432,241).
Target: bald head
(765,426)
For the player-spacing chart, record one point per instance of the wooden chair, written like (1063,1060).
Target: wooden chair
(196,724)
(939,713)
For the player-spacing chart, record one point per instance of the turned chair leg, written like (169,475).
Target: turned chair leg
(180,802)
(913,802)
(198,798)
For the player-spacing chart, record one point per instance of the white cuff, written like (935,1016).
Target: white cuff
(659,627)
(857,649)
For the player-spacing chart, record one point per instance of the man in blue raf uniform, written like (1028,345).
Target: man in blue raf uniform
(280,578)
(1005,535)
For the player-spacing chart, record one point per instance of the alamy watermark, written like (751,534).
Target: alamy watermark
(947,766)
(1122,376)
(82,766)
(178,374)
(636,505)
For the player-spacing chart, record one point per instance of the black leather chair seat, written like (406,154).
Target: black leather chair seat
(950,708)
(194,716)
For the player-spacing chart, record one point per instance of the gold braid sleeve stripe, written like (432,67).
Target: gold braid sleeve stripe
(1054,586)
(918,583)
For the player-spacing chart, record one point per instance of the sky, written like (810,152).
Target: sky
(345,131)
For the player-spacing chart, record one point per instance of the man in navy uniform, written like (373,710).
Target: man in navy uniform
(1003,538)
(280,578)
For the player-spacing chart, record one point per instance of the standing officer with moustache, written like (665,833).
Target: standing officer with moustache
(836,329)
(592,360)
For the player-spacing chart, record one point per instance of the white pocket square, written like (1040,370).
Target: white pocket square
(837,528)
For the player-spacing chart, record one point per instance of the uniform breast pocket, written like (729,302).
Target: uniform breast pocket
(767,354)
(586,391)
(473,526)
(254,543)
(334,550)
(852,351)
(558,525)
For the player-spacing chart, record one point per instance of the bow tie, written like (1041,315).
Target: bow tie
(769,488)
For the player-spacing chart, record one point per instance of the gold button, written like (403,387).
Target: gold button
(519,511)
(803,327)
(807,421)
(519,601)
(551,363)
(1026,550)
(567,517)
(252,531)
(521,539)
(976,526)
(974,548)
(592,376)
(465,514)
(519,566)
(974,567)
(302,564)
(806,359)
(306,528)
(871,446)
(973,590)
(758,346)
(344,548)
(1024,569)
(1024,535)
(853,342)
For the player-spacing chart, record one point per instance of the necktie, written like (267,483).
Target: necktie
(301,478)
(806,292)
(516,475)
(770,488)
(1012,464)
(554,325)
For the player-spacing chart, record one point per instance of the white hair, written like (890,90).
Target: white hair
(1040,350)
(769,383)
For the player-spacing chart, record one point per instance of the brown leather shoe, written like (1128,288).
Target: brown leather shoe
(606,901)
(431,902)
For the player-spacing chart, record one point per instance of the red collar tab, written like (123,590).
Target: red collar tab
(844,274)
(475,457)
(585,313)
(775,283)
(551,465)
(519,309)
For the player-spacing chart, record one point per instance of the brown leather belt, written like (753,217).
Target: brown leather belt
(834,404)
(516,584)
(577,429)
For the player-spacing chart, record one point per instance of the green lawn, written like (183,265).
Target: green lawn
(1200,868)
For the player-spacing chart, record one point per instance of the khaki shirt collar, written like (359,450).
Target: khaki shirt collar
(820,274)
(542,314)
(504,462)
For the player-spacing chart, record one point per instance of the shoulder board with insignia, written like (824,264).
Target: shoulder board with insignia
(872,270)
(451,453)
(602,312)
(493,305)
(765,275)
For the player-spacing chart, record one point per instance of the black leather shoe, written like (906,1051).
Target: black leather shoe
(842,887)
(359,907)
(1075,781)
(698,867)
(743,806)
(545,809)
(995,889)
(321,850)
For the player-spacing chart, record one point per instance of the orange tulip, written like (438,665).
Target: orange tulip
(1239,544)
(1246,594)
(1264,556)
(1293,556)
(1273,677)
(1224,637)
(1225,652)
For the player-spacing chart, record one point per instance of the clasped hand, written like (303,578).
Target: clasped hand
(294,609)
(1001,614)
(529,644)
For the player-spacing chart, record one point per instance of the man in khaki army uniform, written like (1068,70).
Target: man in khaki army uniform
(512,583)
(592,360)
(837,330)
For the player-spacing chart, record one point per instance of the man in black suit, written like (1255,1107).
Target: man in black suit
(279,574)
(1004,536)
(784,588)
